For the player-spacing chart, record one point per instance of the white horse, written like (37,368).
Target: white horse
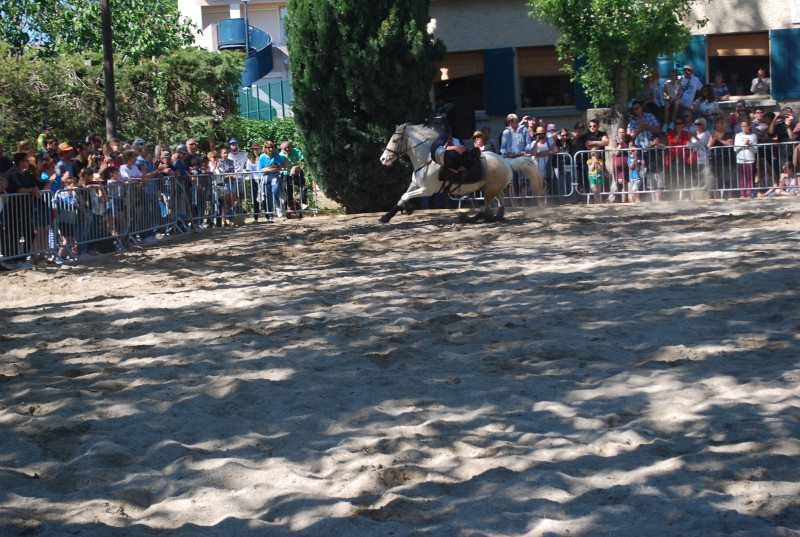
(415,141)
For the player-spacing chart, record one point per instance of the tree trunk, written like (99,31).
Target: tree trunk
(620,112)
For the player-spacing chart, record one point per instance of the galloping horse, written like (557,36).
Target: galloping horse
(415,141)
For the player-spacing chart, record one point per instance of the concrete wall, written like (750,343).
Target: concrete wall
(735,16)
(479,24)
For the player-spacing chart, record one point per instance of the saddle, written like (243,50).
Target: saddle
(474,172)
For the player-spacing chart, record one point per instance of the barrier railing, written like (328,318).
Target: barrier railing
(693,171)
(78,221)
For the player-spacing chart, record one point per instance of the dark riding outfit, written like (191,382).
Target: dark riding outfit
(449,158)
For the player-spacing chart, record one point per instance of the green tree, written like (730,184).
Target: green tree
(358,68)
(187,93)
(615,40)
(141,29)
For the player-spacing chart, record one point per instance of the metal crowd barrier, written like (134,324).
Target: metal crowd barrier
(666,173)
(78,221)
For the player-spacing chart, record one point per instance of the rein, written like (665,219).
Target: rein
(398,153)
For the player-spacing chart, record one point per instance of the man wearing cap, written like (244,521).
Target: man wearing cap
(690,86)
(180,166)
(239,158)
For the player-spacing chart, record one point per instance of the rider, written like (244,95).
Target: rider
(447,151)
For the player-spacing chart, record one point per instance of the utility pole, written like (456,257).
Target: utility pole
(108,71)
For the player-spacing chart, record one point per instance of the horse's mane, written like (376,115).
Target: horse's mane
(423,131)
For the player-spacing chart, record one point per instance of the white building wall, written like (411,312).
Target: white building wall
(477,24)
(735,16)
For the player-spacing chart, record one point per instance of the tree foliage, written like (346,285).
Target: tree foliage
(358,68)
(141,29)
(614,40)
(249,131)
(186,93)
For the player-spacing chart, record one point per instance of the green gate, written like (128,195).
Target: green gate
(266,101)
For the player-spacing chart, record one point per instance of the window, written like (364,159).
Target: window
(542,83)
(460,78)
(737,57)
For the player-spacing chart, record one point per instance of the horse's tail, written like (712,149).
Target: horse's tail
(526,166)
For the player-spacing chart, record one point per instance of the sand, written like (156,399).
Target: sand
(600,370)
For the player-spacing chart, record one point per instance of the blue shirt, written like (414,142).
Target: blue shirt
(264,161)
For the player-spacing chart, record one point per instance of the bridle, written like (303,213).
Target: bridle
(400,152)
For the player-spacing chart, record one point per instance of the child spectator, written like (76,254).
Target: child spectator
(635,164)
(595,169)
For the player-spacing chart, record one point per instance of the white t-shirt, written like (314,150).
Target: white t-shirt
(130,172)
(239,161)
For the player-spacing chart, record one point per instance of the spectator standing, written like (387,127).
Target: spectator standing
(635,164)
(699,152)
(720,88)
(239,158)
(541,149)
(744,143)
(641,126)
(782,128)
(720,142)
(46,132)
(227,169)
(761,84)
(270,164)
(705,105)
(690,86)
(295,162)
(18,211)
(565,150)
(511,146)
(620,155)
(656,162)
(489,141)
(677,138)
(595,169)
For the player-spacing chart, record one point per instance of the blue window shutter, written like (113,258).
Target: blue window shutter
(498,81)
(784,66)
(695,55)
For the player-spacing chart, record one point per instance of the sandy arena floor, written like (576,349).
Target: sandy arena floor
(611,370)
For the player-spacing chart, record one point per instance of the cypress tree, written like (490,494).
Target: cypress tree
(359,67)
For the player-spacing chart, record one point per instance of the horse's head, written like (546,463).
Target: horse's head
(397,146)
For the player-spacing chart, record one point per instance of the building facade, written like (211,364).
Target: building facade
(500,60)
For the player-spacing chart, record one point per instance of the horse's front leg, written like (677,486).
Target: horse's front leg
(414,191)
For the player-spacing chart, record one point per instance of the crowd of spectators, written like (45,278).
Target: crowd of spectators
(675,126)
(82,185)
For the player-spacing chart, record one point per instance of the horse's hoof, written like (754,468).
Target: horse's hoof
(384,219)
(463,218)
(408,210)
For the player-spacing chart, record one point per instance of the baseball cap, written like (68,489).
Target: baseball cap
(689,67)
(181,149)
(551,127)
(139,142)
(166,154)
(540,130)
(233,141)
(64,146)
(47,127)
